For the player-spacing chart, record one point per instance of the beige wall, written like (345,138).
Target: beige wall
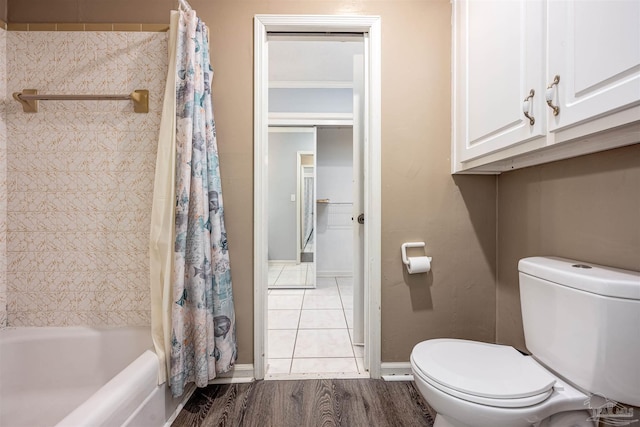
(587,208)
(420,199)
(112,11)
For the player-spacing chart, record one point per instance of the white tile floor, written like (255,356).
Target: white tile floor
(283,275)
(310,332)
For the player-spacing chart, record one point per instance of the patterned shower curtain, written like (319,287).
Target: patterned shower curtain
(203,335)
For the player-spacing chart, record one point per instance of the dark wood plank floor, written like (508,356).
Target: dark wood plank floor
(308,403)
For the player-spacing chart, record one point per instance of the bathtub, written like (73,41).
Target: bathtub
(76,376)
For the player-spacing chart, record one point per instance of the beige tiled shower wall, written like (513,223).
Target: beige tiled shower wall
(3,181)
(80,178)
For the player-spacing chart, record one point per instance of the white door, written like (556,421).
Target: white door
(498,60)
(358,200)
(594,47)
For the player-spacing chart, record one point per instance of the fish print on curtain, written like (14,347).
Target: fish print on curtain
(203,336)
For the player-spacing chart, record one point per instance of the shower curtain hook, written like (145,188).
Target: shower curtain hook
(184,5)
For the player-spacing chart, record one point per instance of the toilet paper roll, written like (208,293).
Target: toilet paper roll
(419,264)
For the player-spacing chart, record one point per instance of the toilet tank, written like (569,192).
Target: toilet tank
(582,321)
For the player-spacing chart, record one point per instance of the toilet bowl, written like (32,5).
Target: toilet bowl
(573,315)
(474,384)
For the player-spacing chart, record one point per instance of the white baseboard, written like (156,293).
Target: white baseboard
(389,371)
(239,374)
(396,371)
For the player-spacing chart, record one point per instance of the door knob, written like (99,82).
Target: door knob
(361,218)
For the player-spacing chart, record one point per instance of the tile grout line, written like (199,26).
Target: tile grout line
(353,351)
(295,341)
(345,319)
(279,274)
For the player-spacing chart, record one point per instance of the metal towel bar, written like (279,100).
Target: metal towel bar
(29,99)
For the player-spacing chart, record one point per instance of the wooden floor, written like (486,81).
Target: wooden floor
(349,403)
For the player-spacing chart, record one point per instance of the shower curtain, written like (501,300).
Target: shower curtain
(193,319)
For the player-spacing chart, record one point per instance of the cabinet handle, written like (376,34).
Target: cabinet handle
(549,95)
(526,107)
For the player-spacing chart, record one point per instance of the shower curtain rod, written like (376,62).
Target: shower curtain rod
(29,99)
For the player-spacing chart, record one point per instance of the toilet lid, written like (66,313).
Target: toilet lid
(481,369)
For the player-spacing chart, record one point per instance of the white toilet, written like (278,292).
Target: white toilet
(582,326)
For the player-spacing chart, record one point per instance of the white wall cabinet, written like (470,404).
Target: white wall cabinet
(499,58)
(594,46)
(506,55)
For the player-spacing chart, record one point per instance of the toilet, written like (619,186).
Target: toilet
(581,325)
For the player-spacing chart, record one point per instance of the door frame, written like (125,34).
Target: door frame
(370,27)
(300,175)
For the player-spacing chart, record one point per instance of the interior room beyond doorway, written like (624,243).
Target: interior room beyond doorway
(310,301)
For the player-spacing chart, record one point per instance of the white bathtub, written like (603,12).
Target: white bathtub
(75,377)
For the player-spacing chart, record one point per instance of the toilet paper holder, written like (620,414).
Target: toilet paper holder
(405,260)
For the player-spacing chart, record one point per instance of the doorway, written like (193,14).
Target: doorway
(368,112)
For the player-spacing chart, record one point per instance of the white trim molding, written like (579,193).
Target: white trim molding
(310,119)
(370,27)
(278,84)
(242,373)
(396,371)
(260,212)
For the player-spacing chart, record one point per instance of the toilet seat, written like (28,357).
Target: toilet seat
(499,403)
(487,374)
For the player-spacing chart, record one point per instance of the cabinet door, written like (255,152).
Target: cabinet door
(498,59)
(594,46)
